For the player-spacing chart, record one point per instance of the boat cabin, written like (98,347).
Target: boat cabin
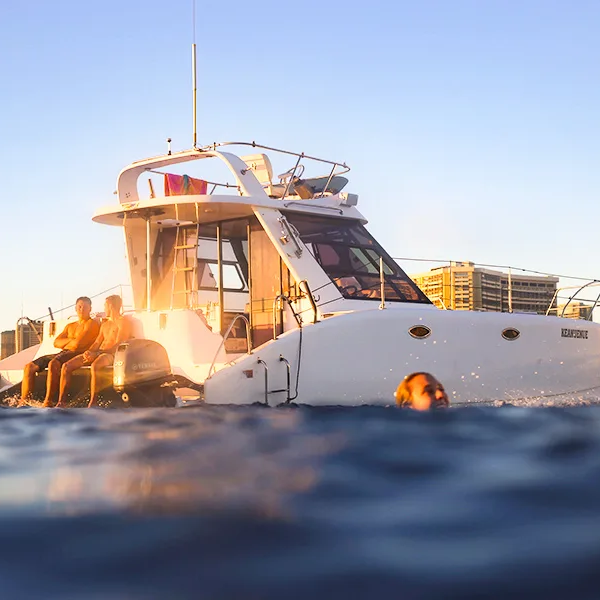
(249,258)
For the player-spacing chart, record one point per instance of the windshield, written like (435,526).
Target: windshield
(350,256)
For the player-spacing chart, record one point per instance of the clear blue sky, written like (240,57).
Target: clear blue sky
(471,126)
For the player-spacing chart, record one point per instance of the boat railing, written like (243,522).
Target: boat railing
(577,303)
(123,289)
(227,334)
(22,324)
(465,285)
(301,155)
(214,184)
(277,306)
(292,183)
(335,168)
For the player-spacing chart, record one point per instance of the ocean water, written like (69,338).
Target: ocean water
(300,502)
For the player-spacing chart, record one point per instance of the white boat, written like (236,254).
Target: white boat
(274,291)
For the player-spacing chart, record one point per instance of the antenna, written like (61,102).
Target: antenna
(194,71)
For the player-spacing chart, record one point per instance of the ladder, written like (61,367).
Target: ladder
(185,261)
(286,389)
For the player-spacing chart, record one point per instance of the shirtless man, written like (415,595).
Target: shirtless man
(74,339)
(115,330)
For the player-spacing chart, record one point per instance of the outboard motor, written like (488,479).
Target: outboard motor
(142,372)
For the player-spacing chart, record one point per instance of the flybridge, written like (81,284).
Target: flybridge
(253,174)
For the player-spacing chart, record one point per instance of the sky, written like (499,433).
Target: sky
(471,126)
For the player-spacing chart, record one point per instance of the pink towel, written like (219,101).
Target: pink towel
(181,185)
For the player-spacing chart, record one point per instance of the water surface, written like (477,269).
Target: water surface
(248,502)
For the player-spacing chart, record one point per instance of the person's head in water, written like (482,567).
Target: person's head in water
(421,391)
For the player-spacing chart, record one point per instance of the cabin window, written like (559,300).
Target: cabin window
(234,255)
(232,277)
(350,256)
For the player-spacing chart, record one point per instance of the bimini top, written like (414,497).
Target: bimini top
(252,186)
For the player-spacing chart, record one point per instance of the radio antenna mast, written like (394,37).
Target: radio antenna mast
(194,72)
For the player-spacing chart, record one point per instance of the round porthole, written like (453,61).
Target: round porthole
(419,331)
(510,333)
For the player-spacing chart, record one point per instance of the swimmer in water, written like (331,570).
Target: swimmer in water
(421,391)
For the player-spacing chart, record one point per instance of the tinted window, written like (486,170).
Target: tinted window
(350,256)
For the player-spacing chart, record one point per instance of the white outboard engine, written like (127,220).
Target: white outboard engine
(142,374)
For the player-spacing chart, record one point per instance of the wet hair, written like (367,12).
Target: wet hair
(83,299)
(403,392)
(115,301)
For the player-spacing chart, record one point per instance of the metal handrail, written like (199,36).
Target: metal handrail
(493,266)
(290,234)
(253,144)
(291,177)
(381,283)
(304,204)
(275,304)
(215,184)
(264,364)
(248,340)
(594,306)
(18,336)
(337,168)
(593,283)
(571,298)
(551,305)
(547,309)
(50,314)
(303,283)
(288,396)
(331,174)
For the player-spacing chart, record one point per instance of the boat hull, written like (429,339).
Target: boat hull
(361,357)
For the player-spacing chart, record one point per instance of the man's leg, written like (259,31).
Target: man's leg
(103,361)
(28,381)
(65,377)
(52,382)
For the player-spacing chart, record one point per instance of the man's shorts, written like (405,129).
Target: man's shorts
(62,357)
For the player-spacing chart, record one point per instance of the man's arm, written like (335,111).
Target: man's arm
(63,338)
(98,341)
(92,351)
(85,337)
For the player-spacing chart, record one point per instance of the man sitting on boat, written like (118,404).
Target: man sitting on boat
(114,330)
(74,339)
(421,391)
